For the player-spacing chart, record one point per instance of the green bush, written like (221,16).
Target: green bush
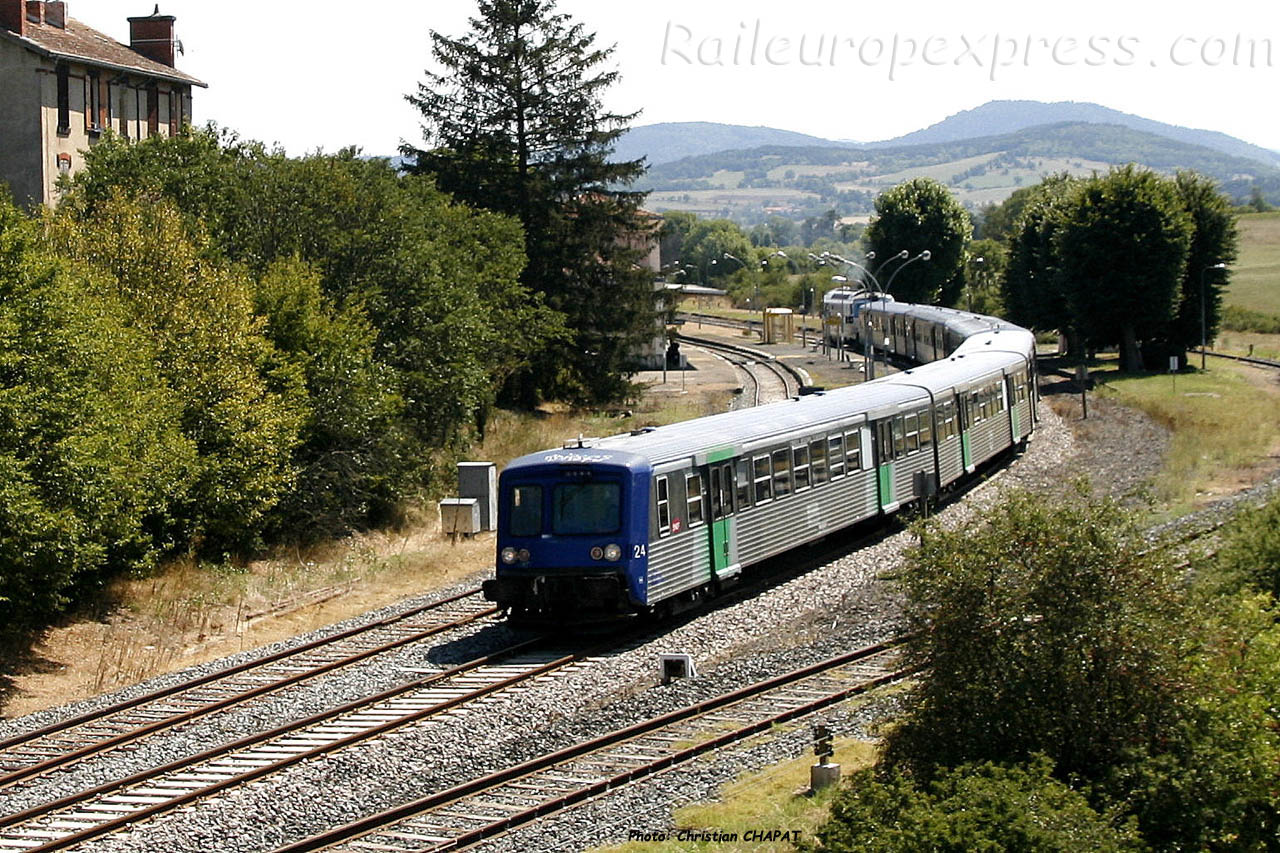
(975,807)
(92,453)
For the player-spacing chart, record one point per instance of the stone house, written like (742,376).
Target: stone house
(65,84)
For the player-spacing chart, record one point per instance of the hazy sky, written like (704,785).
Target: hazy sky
(324,74)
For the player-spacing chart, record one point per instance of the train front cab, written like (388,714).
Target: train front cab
(573,540)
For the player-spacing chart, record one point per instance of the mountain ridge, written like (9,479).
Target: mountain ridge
(668,142)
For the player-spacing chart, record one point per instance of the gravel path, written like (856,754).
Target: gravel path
(841,605)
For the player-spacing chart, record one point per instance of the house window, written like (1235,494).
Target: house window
(175,112)
(123,111)
(64,99)
(96,102)
(153,110)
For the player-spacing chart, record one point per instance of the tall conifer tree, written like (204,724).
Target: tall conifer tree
(514,122)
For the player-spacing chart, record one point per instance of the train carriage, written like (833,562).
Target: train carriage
(665,516)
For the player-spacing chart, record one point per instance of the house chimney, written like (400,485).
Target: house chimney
(152,36)
(55,14)
(13,16)
(35,11)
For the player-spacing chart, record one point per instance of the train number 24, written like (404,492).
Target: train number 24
(639,551)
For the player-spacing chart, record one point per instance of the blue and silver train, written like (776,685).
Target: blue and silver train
(662,517)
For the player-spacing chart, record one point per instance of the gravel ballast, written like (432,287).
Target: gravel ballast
(842,605)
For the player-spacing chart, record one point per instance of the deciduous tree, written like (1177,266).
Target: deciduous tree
(918,215)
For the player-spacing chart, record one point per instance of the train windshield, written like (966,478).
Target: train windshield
(580,509)
(526,511)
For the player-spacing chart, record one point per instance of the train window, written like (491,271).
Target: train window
(911,432)
(721,491)
(717,494)
(926,428)
(899,436)
(526,511)
(763,479)
(853,451)
(835,448)
(818,460)
(693,498)
(884,442)
(781,472)
(801,456)
(743,480)
(586,508)
(663,493)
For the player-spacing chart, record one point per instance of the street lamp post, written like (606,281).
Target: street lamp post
(968,288)
(1204,343)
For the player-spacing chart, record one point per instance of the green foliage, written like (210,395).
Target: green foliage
(706,245)
(985,263)
(438,283)
(1032,290)
(919,215)
(1121,259)
(973,807)
(92,456)
(1250,553)
(1057,630)
(348,462)
(1044,629)
(1214,240)
(515,124)
(240,406)
(1120,254)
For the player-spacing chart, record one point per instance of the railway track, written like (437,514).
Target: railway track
(495,804)
(1247,359)
(785,380)
(91,813)
(44,750)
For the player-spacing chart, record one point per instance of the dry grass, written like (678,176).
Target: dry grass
(1224,425)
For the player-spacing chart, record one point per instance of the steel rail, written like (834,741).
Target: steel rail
(106,741)
(13,836)
(381,821)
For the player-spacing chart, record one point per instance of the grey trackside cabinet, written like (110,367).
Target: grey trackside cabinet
(479,480)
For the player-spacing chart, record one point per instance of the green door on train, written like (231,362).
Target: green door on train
(724,545)
(884,445)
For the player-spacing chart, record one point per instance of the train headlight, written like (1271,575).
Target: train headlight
(612,553)
(523,555)
(508,555)
(597,553)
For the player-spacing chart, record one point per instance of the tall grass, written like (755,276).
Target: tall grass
(1224,425)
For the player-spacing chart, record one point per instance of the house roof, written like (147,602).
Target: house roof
(84,44)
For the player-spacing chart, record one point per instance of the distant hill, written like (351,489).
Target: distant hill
(1000,117)
(799,181)
(663,143)
(671,141)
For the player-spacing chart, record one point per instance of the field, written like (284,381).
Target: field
(1255,278)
